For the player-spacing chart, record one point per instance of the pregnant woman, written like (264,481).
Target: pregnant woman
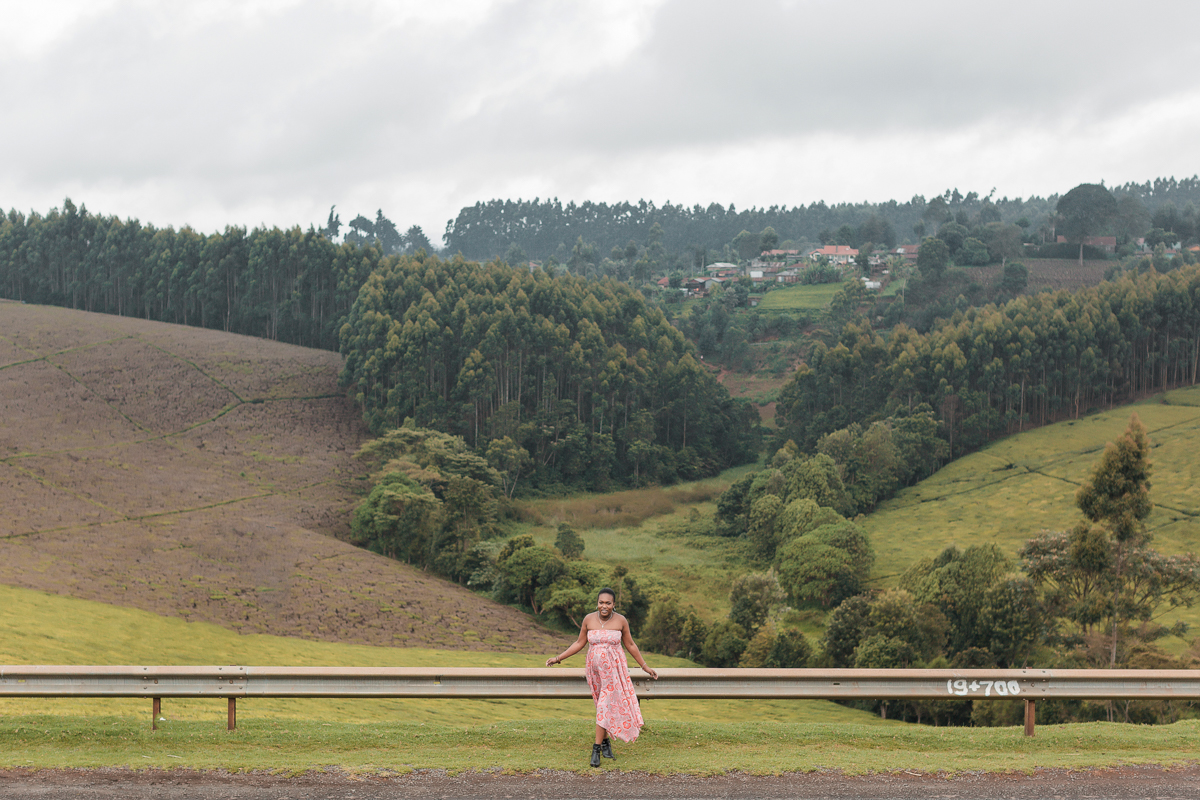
(617,712)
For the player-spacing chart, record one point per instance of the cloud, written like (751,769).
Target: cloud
(270,111)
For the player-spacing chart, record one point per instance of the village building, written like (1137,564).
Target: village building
(836,253)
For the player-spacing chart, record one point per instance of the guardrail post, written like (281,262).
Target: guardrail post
(232,714)
(1030,715)
(155,710)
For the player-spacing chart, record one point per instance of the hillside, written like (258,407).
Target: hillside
(204,475)
(1024,484)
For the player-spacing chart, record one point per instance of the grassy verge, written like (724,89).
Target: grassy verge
(294,746)
(39,628)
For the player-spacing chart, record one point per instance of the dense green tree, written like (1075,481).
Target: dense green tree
(415,241)
(933,256)
(790,649)
(529,574)
(771,648)
(957,582)
(433,500)
(568,542)
(1003,242)
(974,252)
(1117,493)
(1087,210)
(844,629)
(768,239)
(748,245)
(1014,618)
(879,230)
(954,235)
(819,480)
(397,519)
(827,565)
(752,598)
(881,651)
(390,239)
(1014,279)
(664,631)
(724,644)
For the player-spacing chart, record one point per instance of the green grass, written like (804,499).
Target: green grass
(39,628)
(800,297)
(1025,484)
(661,540)
(297,746)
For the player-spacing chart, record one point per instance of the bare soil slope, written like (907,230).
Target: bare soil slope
(208,476)
(1047,273)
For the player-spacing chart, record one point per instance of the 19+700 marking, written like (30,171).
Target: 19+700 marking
(1003,688)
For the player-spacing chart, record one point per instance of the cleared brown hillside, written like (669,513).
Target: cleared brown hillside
(1047,273)
(204,475)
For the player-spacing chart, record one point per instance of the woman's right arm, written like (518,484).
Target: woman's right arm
(575,647)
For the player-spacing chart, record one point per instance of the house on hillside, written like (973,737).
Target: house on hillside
(907,251)
(836,253)
(722,268)
(1106,243)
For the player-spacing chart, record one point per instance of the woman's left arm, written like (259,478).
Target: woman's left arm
(627,640)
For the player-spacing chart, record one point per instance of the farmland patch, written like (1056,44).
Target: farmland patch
(1046,273)
(160,393)
(45,409)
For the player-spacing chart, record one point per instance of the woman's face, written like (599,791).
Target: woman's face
(604,604)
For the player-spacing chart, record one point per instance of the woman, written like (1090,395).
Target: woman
(617,709)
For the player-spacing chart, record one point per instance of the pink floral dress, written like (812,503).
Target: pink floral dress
(608,676)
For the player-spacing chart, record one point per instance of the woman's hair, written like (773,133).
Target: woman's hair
(608,592)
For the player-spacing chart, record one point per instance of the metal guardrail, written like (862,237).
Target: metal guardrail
(233,682)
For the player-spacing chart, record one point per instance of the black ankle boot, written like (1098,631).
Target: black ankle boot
(606,748)
(595,755)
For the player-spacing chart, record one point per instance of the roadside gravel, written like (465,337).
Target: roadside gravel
(1118,783)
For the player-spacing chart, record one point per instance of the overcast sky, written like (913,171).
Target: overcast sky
(269,111)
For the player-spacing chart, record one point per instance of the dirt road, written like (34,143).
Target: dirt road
(1123,783)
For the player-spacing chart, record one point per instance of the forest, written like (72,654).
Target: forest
(562,381)
(991,370)
(292,286)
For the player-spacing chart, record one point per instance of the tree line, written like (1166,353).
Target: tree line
(562,381)
(290,285)
(986,371)
(589,232)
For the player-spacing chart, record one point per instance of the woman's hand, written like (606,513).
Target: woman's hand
(651,672)
(551,661)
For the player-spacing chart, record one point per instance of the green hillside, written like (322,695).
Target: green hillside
(1024,484)
(38,628)
(800,297)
